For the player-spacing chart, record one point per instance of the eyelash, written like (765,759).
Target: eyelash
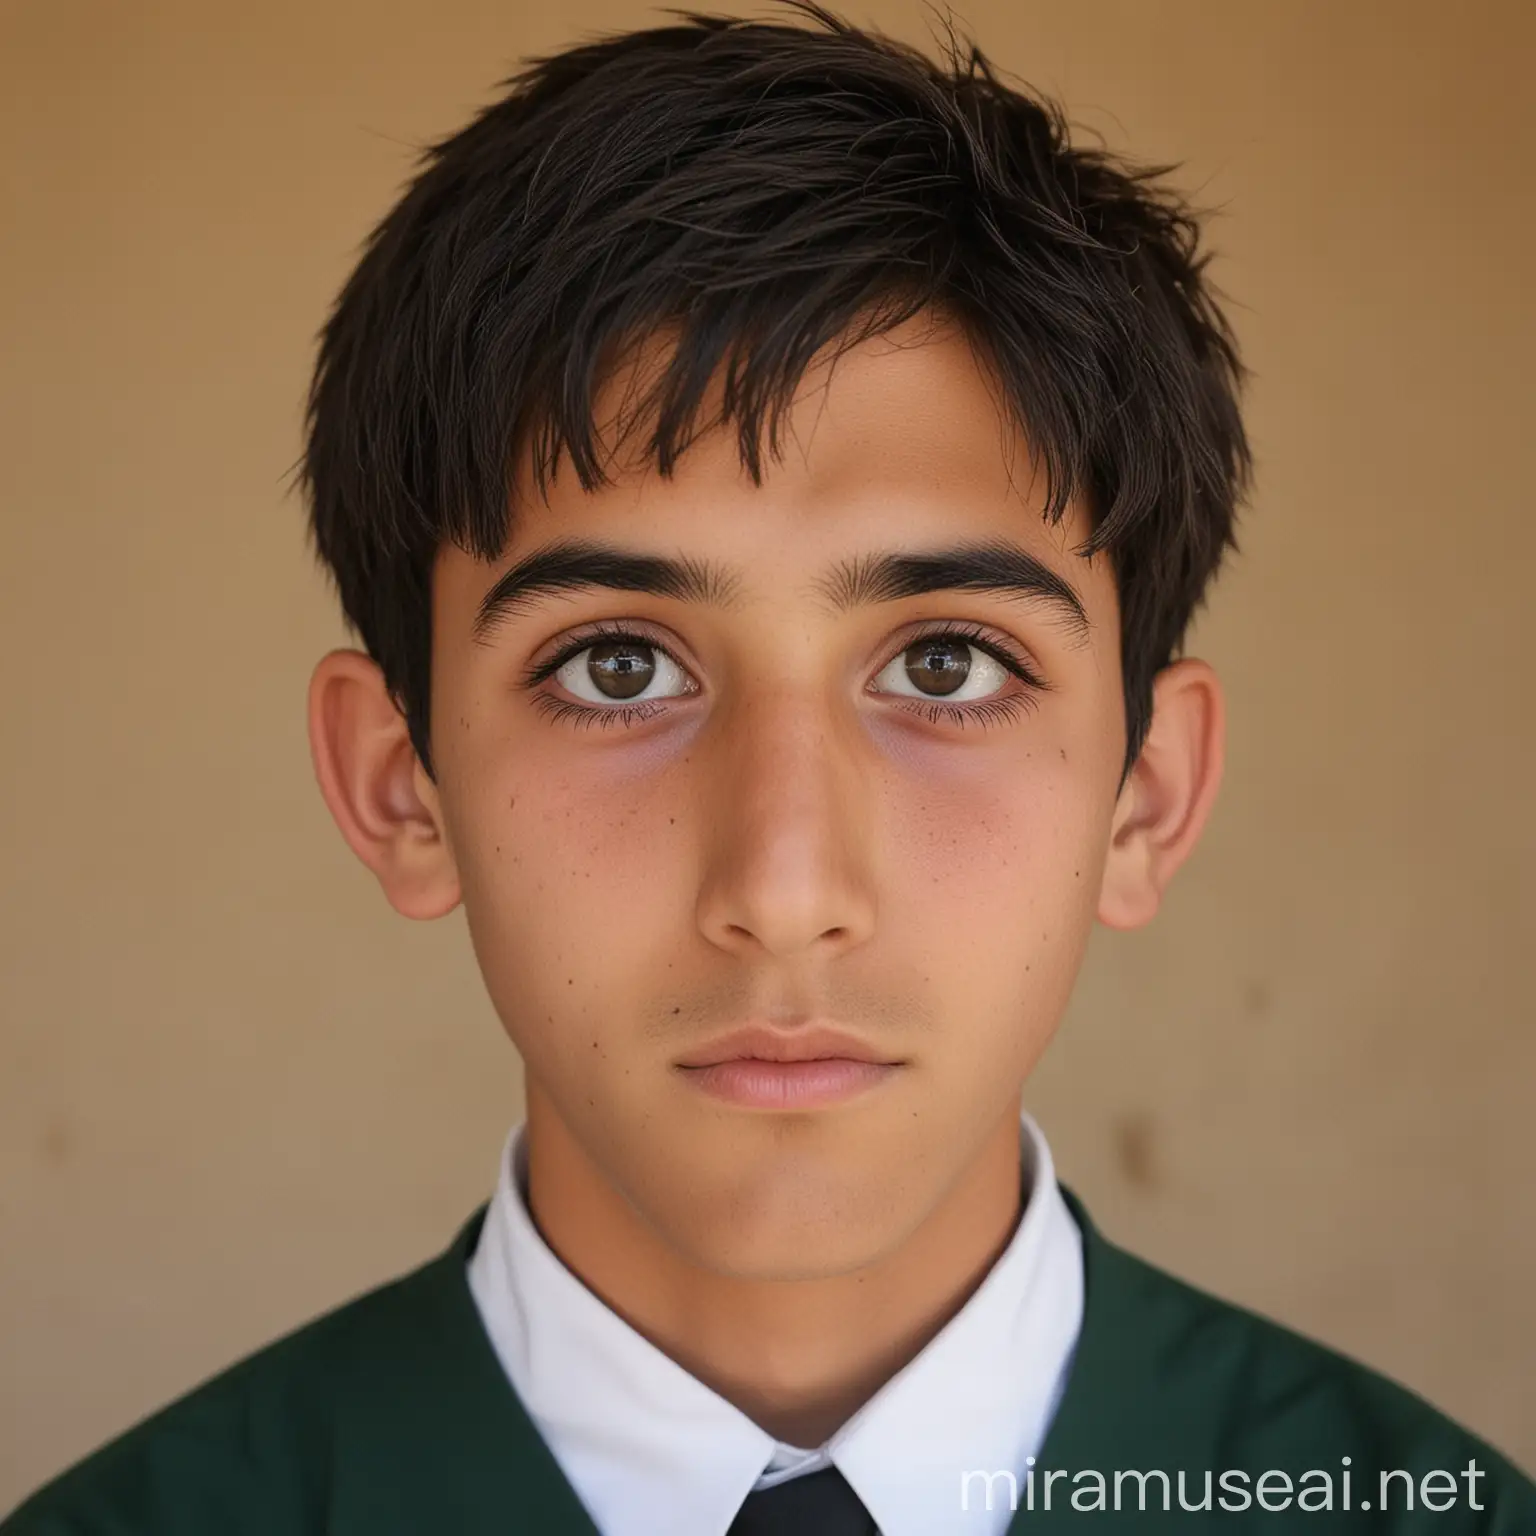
(984,712)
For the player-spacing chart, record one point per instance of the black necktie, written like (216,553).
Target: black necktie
(815,1504)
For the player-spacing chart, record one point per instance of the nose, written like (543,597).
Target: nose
(788,868)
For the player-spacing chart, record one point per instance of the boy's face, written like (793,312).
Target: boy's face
(785,811)
(834,759)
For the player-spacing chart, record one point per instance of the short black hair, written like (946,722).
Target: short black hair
(756,191)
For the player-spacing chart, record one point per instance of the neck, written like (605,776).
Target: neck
(797,1357)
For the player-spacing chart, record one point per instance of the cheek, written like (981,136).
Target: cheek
(994,882)
(571,885)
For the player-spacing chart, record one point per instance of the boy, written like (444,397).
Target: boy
(772,475)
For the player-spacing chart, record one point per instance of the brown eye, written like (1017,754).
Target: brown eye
(620,671)
(613,671)
(944,666)
(938,666)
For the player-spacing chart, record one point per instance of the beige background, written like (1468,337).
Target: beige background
(236,1088)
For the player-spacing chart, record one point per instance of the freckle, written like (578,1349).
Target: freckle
(511,802)
(1063,754)
(677,1010)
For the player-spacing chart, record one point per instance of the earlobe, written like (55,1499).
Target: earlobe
(1167,798)
(370,778)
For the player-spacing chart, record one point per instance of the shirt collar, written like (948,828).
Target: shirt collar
(652,1451)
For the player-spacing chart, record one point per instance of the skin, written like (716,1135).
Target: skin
(789,837)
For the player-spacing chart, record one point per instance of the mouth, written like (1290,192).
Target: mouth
(802,1068)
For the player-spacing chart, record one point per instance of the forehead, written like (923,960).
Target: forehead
(901,441)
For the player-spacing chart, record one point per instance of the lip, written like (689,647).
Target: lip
(804,1068)
(757,1042)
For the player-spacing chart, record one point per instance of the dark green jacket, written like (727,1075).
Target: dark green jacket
(392,1415)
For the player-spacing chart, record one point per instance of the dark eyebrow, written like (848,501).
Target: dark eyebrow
(570,565)
(573,565)
(992,565)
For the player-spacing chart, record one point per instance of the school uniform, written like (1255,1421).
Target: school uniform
(489,1393)
(652,1451)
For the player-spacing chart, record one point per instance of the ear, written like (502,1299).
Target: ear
(1168,795)
(378,792)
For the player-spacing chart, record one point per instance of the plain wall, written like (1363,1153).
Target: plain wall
(236,1088)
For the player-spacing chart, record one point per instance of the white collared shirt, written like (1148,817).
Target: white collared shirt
(651,1451)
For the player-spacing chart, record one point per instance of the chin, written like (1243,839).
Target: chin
(792,1230)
